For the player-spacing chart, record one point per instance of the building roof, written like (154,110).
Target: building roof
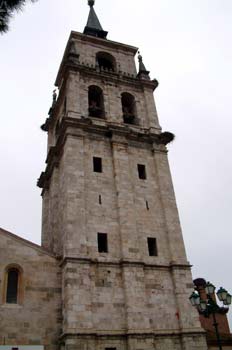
(26,242)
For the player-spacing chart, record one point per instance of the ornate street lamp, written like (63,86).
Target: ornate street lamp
(209,306)
(195,299)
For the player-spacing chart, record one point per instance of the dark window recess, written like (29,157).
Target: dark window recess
(100,199)
(96,102)
(97,165)
(102,242)
(110,348)
(128,108)
(152,246)
(65,105)
(142,171)
(12,286)
(105,61)
(147,205)
(57,129)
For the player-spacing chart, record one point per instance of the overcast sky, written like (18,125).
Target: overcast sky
(186,44)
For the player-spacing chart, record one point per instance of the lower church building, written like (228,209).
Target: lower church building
(112,272)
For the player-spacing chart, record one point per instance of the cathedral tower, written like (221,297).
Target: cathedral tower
(109,209)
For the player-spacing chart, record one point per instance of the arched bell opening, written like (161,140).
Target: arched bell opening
(106,62)
(96,102)
(128,108)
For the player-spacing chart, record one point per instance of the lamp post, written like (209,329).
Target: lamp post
(209,306)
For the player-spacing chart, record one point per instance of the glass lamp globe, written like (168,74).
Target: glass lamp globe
(228,299)
(209,288)
(195,299)
(202,306)
(222,294)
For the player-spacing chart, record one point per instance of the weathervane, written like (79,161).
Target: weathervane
(91,3)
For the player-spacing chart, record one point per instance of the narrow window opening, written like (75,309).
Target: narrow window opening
(128,108)
(147,205)
(65,105)
(12,286)
(100,199)
(96,102)
(152,246)
(110,348)
(97,165)
(57,129)
(102,242)
(142,172)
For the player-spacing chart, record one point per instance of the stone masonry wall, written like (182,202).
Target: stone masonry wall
(99,297)
(123,211)
(36,320)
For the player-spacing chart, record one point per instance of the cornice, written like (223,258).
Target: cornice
(104,42)
(87,126)
(123,262)
(71,63)
(134,333)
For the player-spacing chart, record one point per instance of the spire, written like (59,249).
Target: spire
(143,73)
(93,26)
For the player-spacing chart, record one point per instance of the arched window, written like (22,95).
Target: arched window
(128,108)
(96,102)
(106,61)
(12,287)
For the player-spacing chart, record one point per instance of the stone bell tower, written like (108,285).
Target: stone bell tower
(109,209)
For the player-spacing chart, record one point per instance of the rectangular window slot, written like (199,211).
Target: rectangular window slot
(102,242)
(152,246)
(65,104)
(142,171)
(110,348)
(100,199)
(147,205)
(97,165)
